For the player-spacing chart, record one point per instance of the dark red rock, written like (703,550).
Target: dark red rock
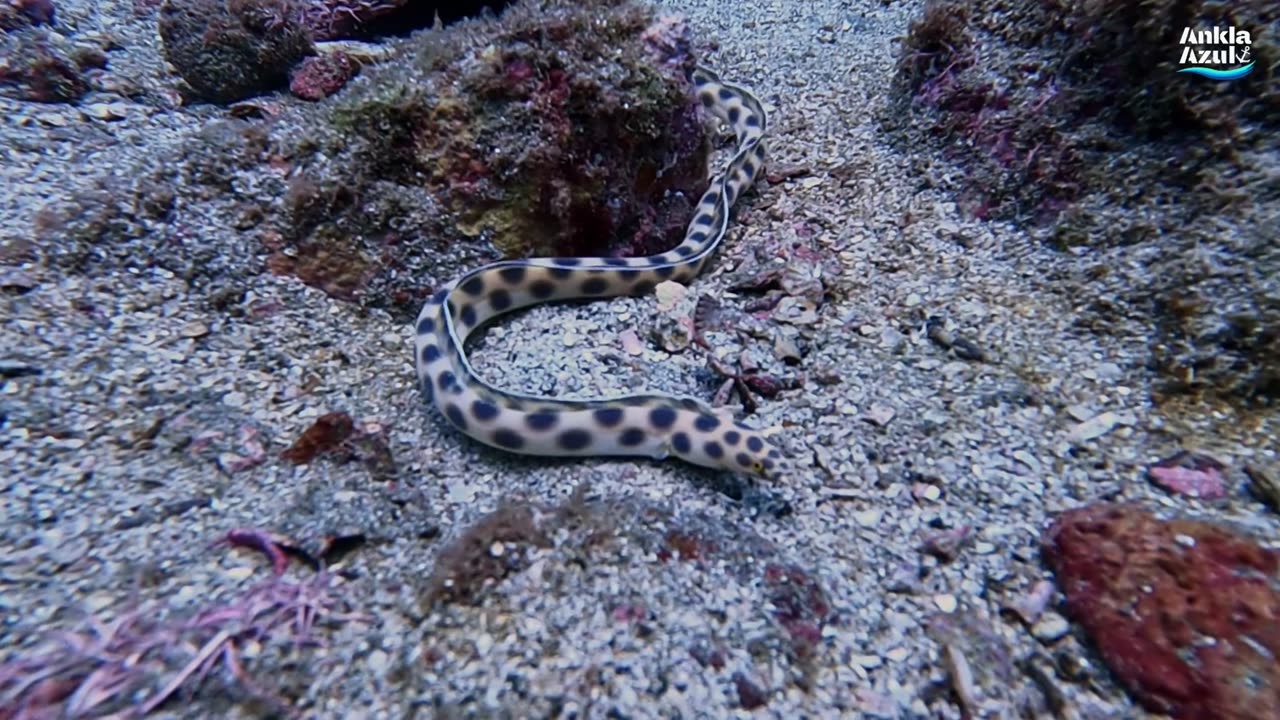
(1185,613)
(750,695)
(326,433)
(320,76)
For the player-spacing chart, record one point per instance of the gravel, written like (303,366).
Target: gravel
(141,423)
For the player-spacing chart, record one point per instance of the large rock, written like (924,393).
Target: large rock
(1185,613)
(228,50)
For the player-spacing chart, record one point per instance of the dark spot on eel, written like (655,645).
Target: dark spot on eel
(662,417)
(467,314)
(500,300)
(508,438)
(631,437)
(484,411)
(542,289)
(681,442)
(454,413)
(574,439)
(473,286)
(542,420)
(608,417)
(594,286)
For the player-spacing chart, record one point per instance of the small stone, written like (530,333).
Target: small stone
(868,518)
(786,349)
(631,344)
(891,339)
(1108,371)
(796,310)
(1030,606)
(194,329)
(1194,474)
(1264,484)
(925,491)
(1050,627)
(868,662)
(363,52)
(570,338)
(1080,412)
(669,292)
(1027,459)
(53,119)
(377,662)
(320,76)
(946,602)
(897,654)
(1094,427)
(107,111)
(880,415)
(877,705)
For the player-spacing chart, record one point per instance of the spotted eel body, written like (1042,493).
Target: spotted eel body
(655,426)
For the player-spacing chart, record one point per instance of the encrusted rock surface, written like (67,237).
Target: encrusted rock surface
(228,50)
(1072,118)
(1185,612)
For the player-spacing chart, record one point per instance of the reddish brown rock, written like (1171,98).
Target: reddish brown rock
(320,76)
(1185,613)
(40,66)
(326,433)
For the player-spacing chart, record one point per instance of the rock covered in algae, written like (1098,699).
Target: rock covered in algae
(557,128)
(1185,613)
(227,50)
(1071,117)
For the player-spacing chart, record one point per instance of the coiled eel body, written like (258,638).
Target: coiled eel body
(654,425)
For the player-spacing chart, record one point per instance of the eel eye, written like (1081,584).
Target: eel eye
(757,467)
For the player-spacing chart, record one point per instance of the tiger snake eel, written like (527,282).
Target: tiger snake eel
(649,425)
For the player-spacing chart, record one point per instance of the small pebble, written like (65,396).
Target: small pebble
(1050,627)
(194,329)
(1093,428)
(869,662)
